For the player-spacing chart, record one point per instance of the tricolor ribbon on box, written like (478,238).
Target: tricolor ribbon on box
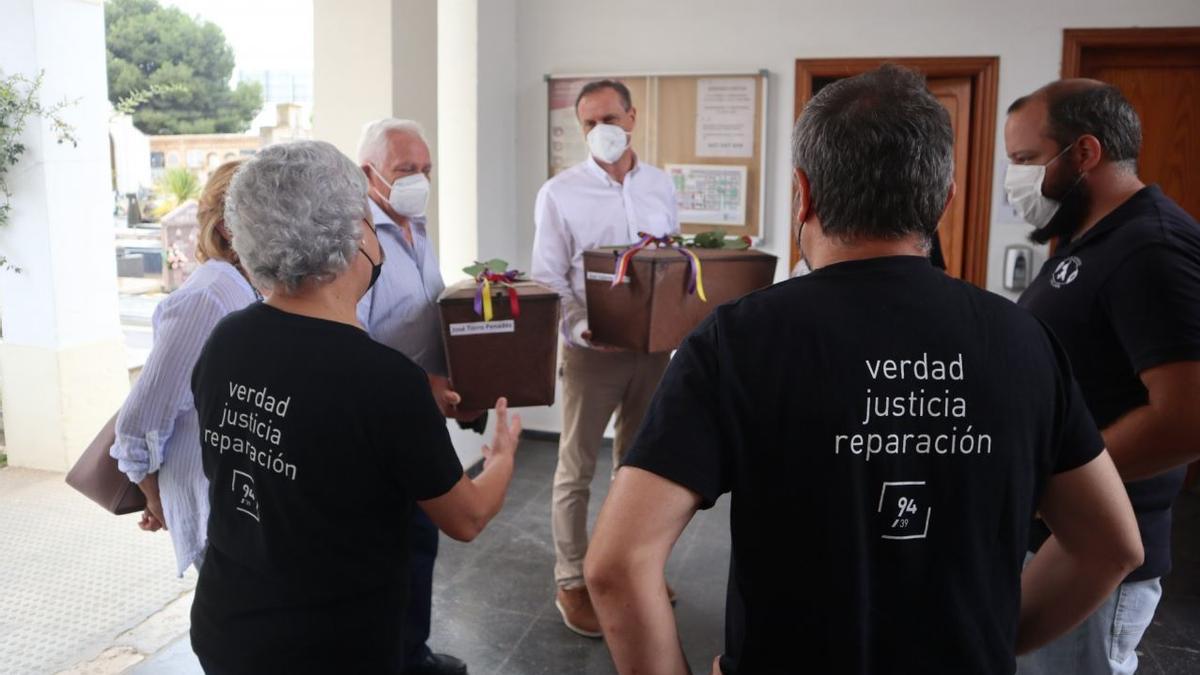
(695,278)
(483,293)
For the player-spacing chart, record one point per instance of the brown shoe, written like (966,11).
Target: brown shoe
(575,605)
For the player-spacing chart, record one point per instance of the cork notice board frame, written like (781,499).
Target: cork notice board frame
(668,113)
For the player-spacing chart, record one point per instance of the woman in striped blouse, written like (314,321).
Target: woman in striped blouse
(158,442)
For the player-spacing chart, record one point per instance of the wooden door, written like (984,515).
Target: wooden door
(1158,70)
(955,94)
(967,87)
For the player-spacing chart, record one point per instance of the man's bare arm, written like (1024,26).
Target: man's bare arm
(1164,433)
(1095,545)
(467,508)
(637,528)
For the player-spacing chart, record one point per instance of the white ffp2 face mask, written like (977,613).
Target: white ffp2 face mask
(409,195)
(1023,184)
(607,142)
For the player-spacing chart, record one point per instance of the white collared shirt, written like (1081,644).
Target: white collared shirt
(584,208)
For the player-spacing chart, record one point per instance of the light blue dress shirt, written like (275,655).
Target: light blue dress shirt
(401,310)
(157,428)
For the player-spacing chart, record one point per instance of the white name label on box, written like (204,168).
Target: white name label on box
(482,327)
(601,276)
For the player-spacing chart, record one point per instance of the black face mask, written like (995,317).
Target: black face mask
(1071,212)
(376,268)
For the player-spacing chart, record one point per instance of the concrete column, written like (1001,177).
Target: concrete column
(477,109)
(415,85)
(352,68)
(453,69)
(458,114)
(62,356)
(496,139)
(373,59)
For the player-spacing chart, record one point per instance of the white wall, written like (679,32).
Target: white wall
(630,36)
(573,36)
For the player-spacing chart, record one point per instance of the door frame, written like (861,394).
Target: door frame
(984,73)
(1075,40)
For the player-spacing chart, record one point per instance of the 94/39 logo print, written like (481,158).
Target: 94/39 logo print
(903,510)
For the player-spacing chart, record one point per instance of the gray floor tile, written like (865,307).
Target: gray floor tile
(176,659)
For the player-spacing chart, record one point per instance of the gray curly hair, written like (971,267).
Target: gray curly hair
(294,212)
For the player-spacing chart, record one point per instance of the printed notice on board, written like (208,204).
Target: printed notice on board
(709,194)
(567,144)
(725,117)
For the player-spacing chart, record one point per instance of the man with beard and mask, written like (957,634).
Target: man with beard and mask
(1121,291)
(605,200)
(401,311)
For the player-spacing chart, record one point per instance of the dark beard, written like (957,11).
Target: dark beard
(1067,221)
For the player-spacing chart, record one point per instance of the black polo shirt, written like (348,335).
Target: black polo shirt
(1123,298)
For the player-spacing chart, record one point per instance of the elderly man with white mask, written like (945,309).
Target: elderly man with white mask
(401,312)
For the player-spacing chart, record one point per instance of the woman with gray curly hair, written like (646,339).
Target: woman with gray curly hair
(317,440)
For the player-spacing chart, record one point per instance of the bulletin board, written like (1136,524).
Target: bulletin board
(706,130)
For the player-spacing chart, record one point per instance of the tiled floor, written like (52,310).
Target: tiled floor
(493,603)
(1172,644)
(493,598)
(72,577)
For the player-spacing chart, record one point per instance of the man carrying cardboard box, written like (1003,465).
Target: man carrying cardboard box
(603,201)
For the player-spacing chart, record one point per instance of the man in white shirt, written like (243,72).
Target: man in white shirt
(606,200)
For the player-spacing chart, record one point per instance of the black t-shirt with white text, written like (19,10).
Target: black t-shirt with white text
(317,441)
(1123,298)
(886,433)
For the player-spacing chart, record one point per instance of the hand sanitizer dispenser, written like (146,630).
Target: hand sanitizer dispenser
(1018,267)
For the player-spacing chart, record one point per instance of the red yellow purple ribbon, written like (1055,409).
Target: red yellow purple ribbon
(695,276)
(696,284)
(483,293)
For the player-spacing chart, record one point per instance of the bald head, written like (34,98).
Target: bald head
(1060,88)
(1077,107)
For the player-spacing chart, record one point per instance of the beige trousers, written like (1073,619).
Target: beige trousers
(594,385)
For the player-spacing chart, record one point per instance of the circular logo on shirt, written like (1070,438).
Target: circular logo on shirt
(1065,272)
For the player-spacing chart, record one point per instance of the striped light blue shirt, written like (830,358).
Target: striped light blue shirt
(401,310)
(157,429)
